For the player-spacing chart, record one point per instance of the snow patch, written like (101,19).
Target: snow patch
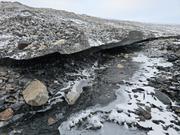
(123,113)
(78,21)
(19,55)
(95,42)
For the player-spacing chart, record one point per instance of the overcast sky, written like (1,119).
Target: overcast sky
(157,11)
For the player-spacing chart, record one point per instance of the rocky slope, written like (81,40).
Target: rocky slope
(27,32)
(66,73)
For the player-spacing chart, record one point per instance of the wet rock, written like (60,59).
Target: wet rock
(23,81)
(143,127)
(158,121)
(120,66)
(143,113)
(135,96)
(137,90)
(1,102)
(172,57)
(177,62)
(147,115)
(94,123)
(176,109)
(11,80)
(16,106)
(173,47)
(23,44)
(161,68)
(176,74)
(71,97)
(9,87)
(51,121)
(163,97)
(4,78)
(6,114)
(148,108)
(36,94)
(172,88)
(10,99)
(126,56)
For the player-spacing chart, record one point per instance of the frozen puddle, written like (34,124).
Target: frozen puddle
(139,109)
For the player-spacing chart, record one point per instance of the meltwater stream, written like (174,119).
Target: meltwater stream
(122,112)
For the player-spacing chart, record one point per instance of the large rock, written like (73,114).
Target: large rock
(36,94)
(45,31)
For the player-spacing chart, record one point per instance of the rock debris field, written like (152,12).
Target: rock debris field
(63,73)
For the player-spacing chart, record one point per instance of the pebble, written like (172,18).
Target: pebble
(9,87)
(137,90)
(172,57)
(142,112)
(11,80)
(3,73)
(176,109)
(6,114)
(23,44)
(51,121)
(1,81)
(158,121)
(120,66)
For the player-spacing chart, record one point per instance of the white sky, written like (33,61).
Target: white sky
(157,11)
